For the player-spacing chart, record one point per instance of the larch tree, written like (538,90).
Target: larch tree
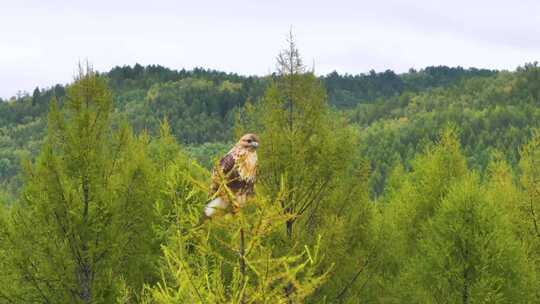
(530,204)
(231,259)
(411,199)
(467,254)
(304,145)
(313,153)
(530,180)
(83,225)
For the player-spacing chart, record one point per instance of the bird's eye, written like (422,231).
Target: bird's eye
(249,141)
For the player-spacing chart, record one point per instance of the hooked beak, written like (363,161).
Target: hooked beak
(255,144)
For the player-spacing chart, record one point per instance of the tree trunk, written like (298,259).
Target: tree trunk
(85,283)
(242,262)
(289,226)
(465,291)
(289,289)
(85,270)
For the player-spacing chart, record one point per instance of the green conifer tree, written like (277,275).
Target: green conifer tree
(467,254)
(410,200)
(304,146)
(230,259)
(530,203)
(309,150)
(83,225)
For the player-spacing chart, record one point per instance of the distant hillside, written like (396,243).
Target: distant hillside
(395,112)
(492,115)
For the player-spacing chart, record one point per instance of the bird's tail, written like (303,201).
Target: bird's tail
(212,208)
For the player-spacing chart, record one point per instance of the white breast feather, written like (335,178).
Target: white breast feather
(247,166)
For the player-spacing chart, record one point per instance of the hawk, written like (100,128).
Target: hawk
(233,178)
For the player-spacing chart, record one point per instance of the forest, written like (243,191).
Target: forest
(419,187)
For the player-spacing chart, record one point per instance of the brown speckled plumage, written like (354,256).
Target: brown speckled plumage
(233,179)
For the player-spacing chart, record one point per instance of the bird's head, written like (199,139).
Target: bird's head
(249,141)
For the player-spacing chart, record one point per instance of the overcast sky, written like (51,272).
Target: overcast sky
(42,41)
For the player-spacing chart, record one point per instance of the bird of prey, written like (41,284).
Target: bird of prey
(233,178)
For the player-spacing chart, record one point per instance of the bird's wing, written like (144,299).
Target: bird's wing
(226,164)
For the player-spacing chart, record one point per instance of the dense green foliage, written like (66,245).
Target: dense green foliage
(422,187)
(82,224)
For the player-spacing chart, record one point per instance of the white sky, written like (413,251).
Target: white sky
(42,41)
